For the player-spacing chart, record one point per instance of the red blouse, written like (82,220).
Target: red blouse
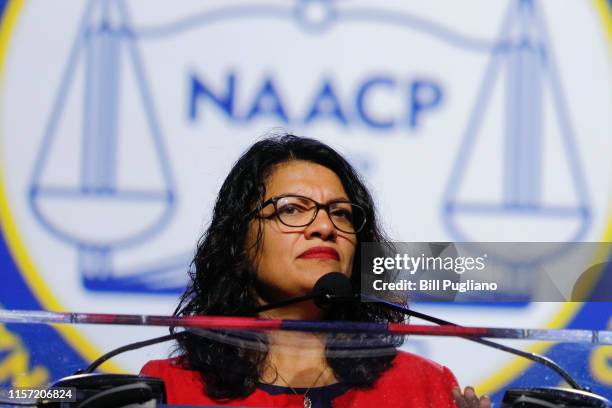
(412,381)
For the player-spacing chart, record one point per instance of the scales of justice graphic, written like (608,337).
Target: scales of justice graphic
(94,166)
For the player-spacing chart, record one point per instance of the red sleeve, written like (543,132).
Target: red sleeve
(151,369)
(430,382)
(412,382)
(183,386)
(450,378)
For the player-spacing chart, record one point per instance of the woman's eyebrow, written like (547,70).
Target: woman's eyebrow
(333,199)
(341,198)
(304,194)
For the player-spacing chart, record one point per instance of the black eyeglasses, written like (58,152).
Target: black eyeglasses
(299,211)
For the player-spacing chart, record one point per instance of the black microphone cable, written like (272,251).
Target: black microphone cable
(530,356)
(128,347)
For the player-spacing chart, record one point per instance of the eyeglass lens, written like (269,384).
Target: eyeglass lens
(297,211)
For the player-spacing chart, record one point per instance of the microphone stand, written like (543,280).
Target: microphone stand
(530,356)
(535,397)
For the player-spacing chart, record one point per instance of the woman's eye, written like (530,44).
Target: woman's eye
(341,213)
(289,209)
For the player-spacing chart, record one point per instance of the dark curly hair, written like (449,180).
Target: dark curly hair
(223,280)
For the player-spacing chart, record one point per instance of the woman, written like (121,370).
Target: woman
(290,211)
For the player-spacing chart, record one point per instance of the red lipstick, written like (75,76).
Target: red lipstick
(320,252)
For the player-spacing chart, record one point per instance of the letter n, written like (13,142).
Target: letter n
(199,91)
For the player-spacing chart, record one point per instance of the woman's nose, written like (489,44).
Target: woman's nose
(321,227)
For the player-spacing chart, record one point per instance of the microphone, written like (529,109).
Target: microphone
(328,289)
(331,288)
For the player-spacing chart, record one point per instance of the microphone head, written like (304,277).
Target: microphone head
(330,286)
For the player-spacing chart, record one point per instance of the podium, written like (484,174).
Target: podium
(343,340)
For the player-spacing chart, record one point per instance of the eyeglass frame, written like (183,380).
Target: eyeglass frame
(318,206)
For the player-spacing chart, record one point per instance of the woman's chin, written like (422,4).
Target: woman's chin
(321,266)
(311,278)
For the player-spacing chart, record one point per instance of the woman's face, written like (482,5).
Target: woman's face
(292,259)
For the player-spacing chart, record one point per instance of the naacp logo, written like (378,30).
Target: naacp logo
(104,161)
